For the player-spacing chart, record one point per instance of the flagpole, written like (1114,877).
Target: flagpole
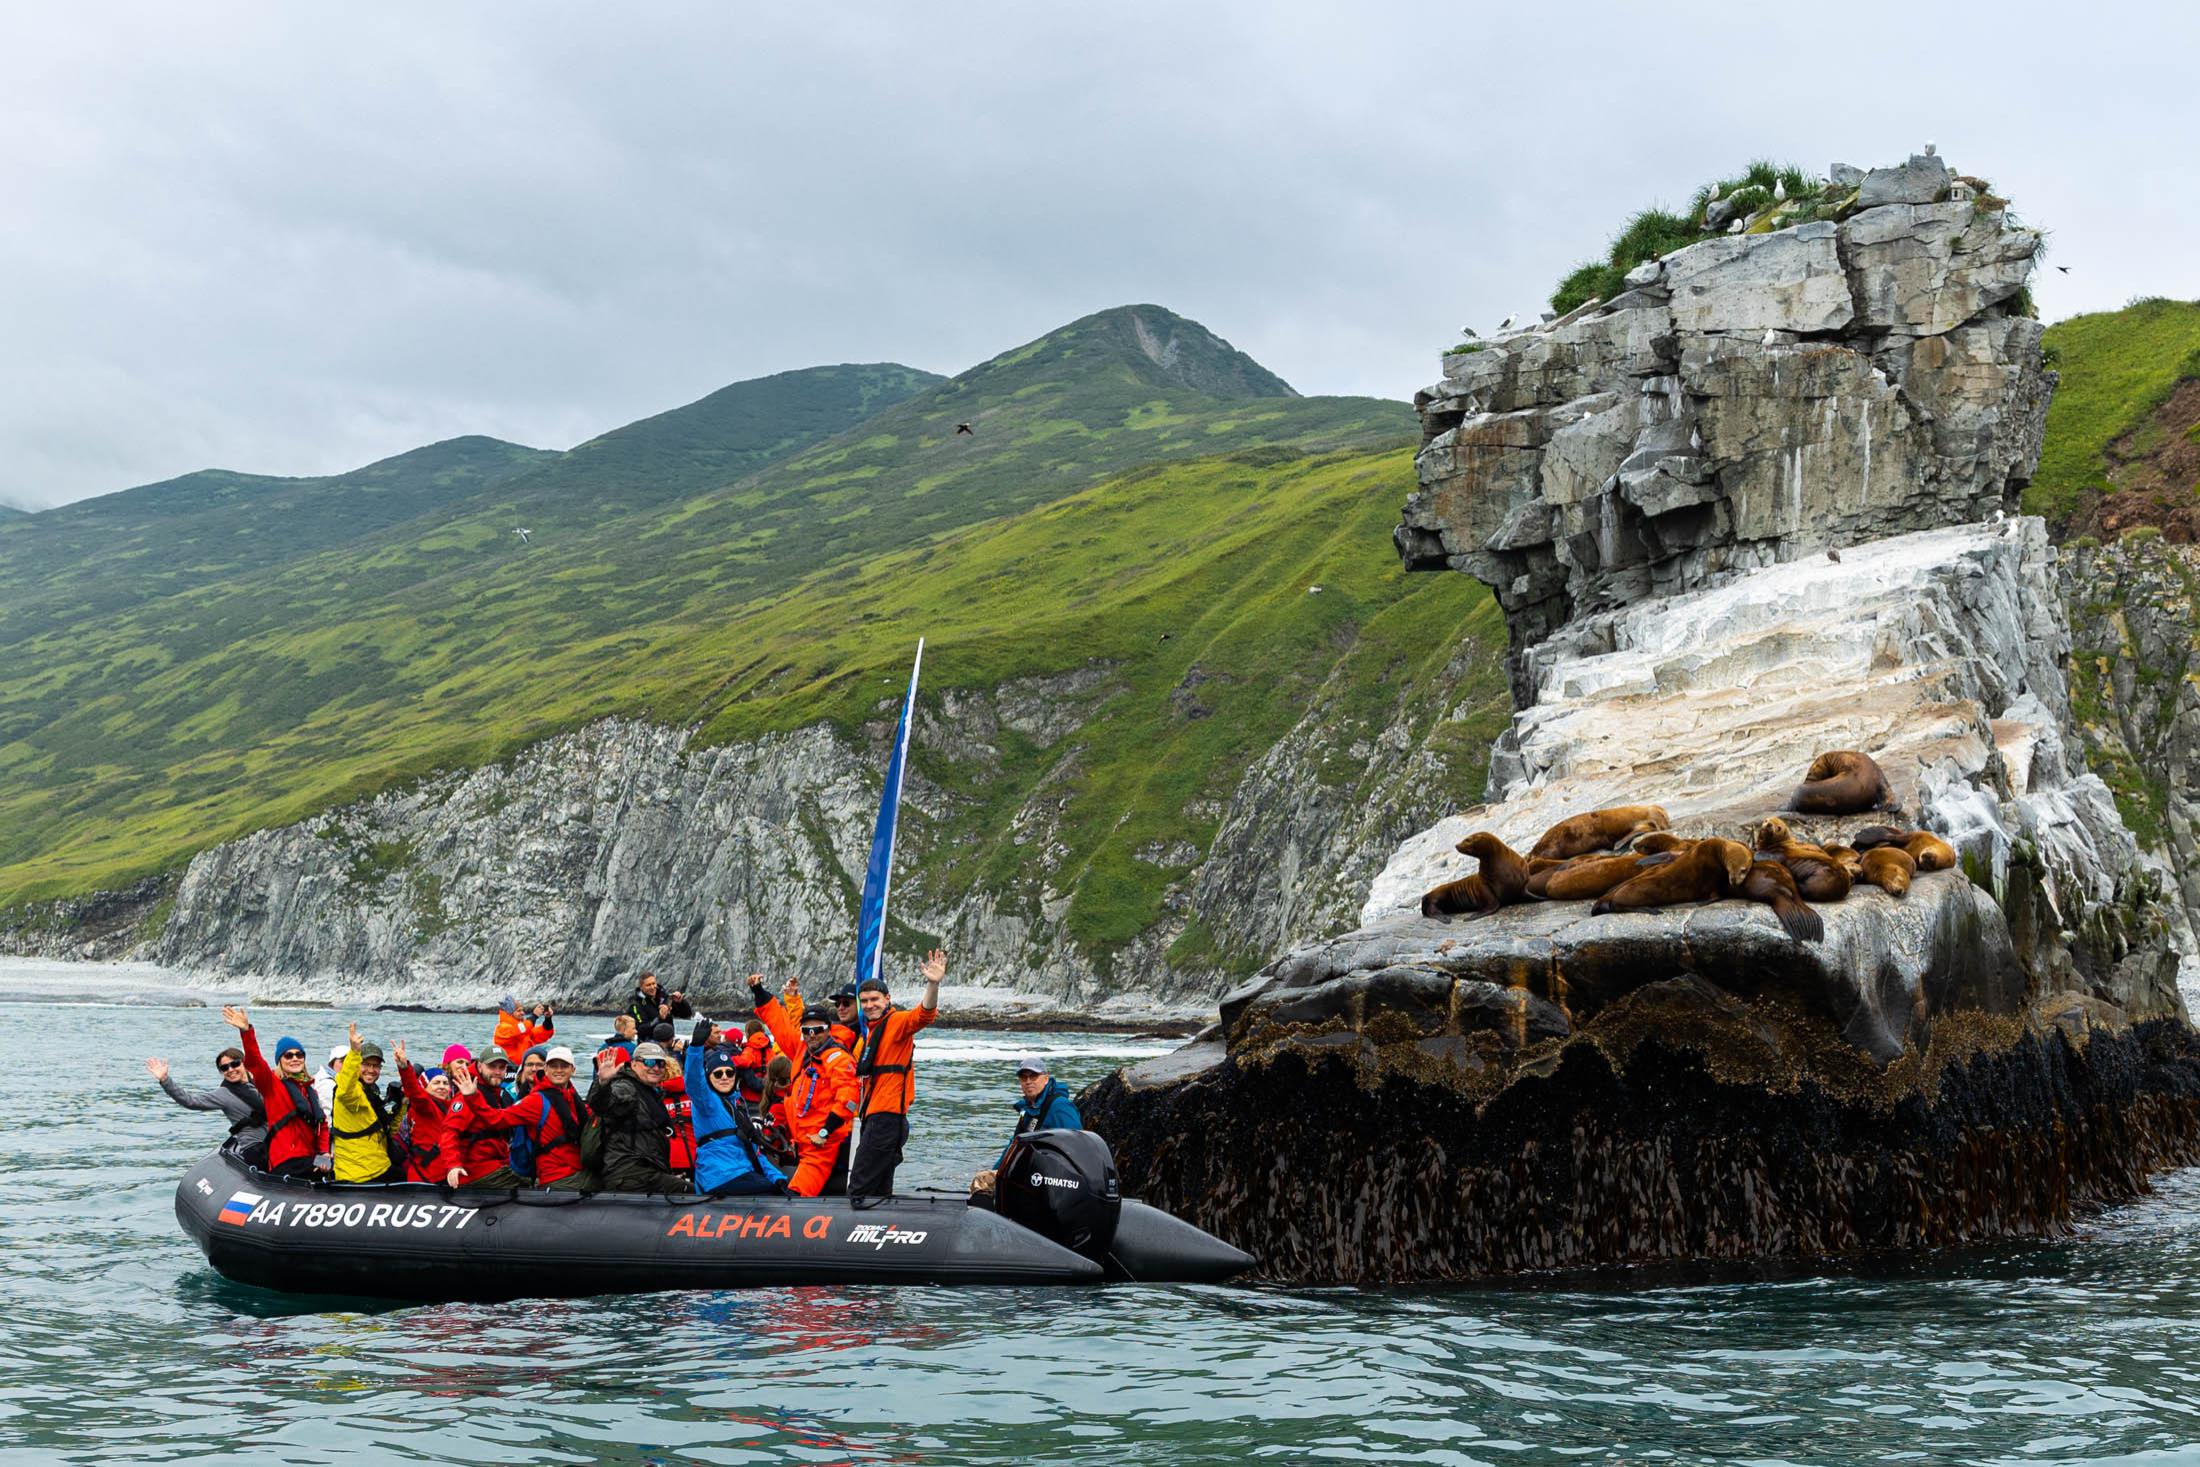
(878,875)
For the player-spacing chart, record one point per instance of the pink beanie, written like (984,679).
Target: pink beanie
(457,1052)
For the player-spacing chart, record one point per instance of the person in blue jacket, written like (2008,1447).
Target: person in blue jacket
(729,1155)
(1045,1106)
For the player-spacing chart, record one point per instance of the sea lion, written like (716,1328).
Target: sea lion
(1770,883)
(1593,876)
(1501,867)
(1467,894)
(1847,859)
(1598,830)
(1929,851)
(1889,868)
(1772,834)
(1705,872)
(1878,835)
(1818,878)
(1651,842)
(1843,782)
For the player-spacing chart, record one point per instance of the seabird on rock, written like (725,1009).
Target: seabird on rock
(1466,331)
(1779,190)
(1695,439)
(1506,324)
(1931,149)
(1834,556)
(1772,337)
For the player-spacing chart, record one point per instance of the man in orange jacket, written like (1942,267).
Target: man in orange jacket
(817,1107)
(886,1064)
(515,1034)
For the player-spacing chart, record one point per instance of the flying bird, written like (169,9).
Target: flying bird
(526,537)
(964,428)
(2064,268)
(1313,590)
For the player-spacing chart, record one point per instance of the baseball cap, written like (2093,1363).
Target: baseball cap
(650,1051)
(369,1050)
(558,1055)
(846,995)
(1032,1064)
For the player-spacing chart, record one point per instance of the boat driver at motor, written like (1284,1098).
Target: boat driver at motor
(886,1066)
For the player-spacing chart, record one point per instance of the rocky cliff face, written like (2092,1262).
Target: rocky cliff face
(567,869)
(1746,401)
(2134,608)
(1688,502)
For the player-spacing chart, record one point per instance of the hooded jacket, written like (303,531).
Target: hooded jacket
(728,1153)
(516,1034)
(1052,1111)
(236,1100)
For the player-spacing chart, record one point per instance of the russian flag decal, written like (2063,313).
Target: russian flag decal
(238,1208)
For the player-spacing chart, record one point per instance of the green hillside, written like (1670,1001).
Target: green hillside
(128,741)
(2117,367)
(98,556)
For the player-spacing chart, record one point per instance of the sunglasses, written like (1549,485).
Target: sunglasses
(291,1054)
(650,1064)
(815,1029)
(232,1065)
(724,1072)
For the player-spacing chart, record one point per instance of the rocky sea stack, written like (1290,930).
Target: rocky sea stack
(1754,508)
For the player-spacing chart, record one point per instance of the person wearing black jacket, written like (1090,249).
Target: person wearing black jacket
(651,1005)
(634,1126)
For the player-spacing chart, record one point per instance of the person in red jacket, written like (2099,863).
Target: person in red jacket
(814,1110)
(553,1114)
(430,1150)
(481,1151)
(297,1127)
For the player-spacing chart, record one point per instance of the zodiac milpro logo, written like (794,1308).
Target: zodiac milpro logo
(244,1208)
(878,1235)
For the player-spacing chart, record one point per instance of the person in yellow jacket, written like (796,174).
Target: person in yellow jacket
(362,1123)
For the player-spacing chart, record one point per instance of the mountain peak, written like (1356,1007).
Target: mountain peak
(1157,345)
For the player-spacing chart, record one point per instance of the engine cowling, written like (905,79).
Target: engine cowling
(1062,1185)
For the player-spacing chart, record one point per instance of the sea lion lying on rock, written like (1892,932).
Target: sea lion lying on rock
(1818,876)
(1890,868)
(1927,849)
(1593,876)
(1705,872)
(1843,782)
(1771,883)
(1599,830)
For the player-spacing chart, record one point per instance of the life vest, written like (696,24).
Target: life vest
(384,1121)
(561,1100)
(305,1109)
(873,1064)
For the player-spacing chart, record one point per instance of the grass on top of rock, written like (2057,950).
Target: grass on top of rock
(1655,233)
(2117,368)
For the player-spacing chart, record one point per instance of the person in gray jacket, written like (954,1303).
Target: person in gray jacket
(234,1098)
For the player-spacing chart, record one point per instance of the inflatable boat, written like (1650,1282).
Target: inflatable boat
(1058,1218)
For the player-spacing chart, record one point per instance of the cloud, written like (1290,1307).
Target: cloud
(293,239)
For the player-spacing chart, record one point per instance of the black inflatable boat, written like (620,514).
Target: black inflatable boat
(1059,1219)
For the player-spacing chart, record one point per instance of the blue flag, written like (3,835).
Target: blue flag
(879,875)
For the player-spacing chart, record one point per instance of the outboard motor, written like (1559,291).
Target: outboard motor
(1061,1185)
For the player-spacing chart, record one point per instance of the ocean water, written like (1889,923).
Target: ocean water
(123,1346)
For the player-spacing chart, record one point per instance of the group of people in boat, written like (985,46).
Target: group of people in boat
(678,1103)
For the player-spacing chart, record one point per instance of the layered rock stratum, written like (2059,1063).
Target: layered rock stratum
(1756,509)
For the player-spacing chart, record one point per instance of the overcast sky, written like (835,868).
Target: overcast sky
(294,238)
